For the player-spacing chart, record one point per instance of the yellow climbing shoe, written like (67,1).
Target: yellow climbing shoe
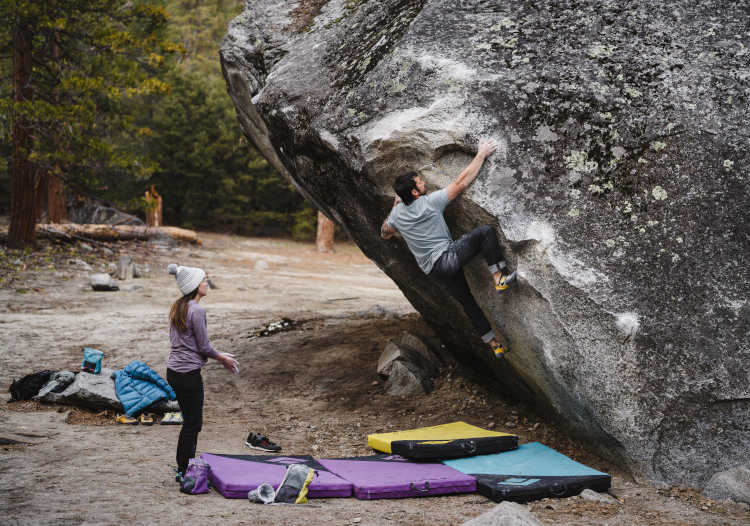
(505,281)
(125,419)
(500,351)
(146,420)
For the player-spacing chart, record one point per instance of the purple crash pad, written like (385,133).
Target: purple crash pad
(394,477)
(234,475)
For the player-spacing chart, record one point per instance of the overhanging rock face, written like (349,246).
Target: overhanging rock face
(619,190)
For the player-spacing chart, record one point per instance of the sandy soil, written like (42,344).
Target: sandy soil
(314,390)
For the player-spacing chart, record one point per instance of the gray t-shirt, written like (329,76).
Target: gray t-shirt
(423,227)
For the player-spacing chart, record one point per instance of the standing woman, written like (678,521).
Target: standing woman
(190,351)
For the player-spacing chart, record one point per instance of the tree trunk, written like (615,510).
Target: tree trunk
(57,210)
(116,233)
(24,176)
(153,207)
(324,238)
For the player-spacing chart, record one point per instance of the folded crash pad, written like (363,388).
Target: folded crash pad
(393,477)
(234,475)
(533,471)
(457,439)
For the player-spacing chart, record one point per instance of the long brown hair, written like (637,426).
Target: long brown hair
(178,312)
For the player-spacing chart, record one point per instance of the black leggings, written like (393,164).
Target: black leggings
(448,271)
(189,390)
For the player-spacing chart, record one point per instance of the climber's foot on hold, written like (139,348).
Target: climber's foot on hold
(499,352)
(504,281)
(498,349)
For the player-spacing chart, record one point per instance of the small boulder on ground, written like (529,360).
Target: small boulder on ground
(125,268)
(505,514)
(594,496)
(406,379)
(80,264)
(733,484)
(103,282)
(429,360)
(408,366)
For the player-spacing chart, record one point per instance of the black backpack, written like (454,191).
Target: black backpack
(29,385)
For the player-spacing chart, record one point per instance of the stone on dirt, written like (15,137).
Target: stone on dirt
(408,370)
(594,496)
(505,514)
(732,484)
(406,379)
(80,264)
(103,282)
(396,351)
(125,268)
(428,359)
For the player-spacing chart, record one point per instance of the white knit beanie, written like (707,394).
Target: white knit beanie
(188,278)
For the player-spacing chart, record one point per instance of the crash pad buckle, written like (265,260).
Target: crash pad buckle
(557,489)
(470,446)
(426,488)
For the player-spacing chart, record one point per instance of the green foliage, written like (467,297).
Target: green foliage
(207,174)
(91,59)
(305,224)
(137,99)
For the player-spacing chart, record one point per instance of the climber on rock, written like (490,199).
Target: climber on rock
(418,218)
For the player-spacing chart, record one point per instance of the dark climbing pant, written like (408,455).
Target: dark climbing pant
(448,271)
(189,390)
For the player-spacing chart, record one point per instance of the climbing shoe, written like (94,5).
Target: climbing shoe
(171,419)
(500,352)
(125,419)
(259,441)
(146,420)
(505,281)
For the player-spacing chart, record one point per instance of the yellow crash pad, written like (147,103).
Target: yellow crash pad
(457,439)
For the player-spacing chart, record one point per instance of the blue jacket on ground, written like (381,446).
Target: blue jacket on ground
(138,386)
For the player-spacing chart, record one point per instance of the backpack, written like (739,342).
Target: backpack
(92,360)
(195,480)
(29,385)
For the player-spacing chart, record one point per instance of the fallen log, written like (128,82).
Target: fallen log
(115,232)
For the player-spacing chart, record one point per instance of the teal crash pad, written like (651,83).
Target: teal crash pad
(533,471)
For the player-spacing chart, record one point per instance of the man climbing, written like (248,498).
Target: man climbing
(418,218)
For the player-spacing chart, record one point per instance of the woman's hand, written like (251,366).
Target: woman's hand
(229,362)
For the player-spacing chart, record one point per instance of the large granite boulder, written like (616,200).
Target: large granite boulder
(619,190)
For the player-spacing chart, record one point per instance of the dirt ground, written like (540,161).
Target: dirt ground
(313,389)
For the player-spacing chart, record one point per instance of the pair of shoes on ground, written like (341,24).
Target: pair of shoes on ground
(261,442)
(145,420)
(505,281)
(171,419)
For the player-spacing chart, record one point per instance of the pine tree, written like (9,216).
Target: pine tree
(77,66)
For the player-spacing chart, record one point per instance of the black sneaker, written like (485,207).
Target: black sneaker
(259,441)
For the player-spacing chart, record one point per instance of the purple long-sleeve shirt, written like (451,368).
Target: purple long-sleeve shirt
(190,349)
